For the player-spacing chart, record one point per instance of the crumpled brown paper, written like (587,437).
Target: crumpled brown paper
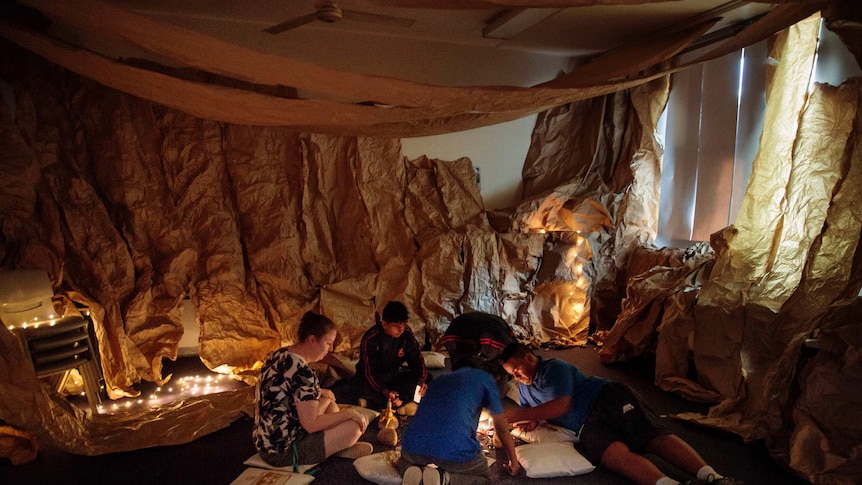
(787,270)
(16,445)
(256,225)
(658,317)
(37,410)
(368,105)
(140,206)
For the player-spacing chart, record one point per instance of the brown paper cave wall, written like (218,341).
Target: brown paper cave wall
(772,321)
(789,271)
(130,206)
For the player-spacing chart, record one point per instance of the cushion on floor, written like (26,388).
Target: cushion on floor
(546,460)
(379,468)
(369,413)
(434,360)
(546,433)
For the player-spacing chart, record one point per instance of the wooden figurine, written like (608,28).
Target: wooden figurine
(388,425)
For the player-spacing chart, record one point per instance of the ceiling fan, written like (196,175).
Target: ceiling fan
(330,12)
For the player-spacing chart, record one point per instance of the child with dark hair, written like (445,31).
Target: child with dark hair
(439,445)
(614,426)
(390,364)
(478,339)
(297,422)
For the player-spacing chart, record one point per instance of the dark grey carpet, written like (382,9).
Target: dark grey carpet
(218,458)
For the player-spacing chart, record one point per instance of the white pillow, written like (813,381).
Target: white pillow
(546,460)
(256,461)
(254,476)
(369,414)
(345,362)
(434,360)
(379,468)
(546,433)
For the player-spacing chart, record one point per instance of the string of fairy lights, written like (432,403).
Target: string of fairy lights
(202,385)
(184,387)
(573,277)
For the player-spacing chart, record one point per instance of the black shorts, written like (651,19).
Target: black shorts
(618,414)
(310,450)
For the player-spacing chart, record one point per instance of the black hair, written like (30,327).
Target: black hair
(395,311)
(314,324)
(515,350)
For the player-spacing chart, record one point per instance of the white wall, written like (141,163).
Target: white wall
(835,64)
(498,151)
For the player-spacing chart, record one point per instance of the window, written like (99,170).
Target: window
(711,128)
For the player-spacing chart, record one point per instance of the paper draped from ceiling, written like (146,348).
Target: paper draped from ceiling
(370,105)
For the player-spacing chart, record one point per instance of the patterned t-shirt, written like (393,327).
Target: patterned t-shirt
(284,380)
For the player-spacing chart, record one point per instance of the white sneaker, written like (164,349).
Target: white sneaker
(431,475)
(412,476)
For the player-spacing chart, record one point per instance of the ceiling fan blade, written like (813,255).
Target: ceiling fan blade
(376,18)
(291,24)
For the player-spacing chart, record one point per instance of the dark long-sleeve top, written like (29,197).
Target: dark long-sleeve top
(381,356)
(488,334)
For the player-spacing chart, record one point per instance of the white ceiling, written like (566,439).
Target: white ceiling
(441,46)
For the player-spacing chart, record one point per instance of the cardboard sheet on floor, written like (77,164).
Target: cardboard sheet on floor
(260,476)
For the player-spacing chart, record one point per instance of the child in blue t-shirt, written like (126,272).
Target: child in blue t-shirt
(614,426)
(441,437)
